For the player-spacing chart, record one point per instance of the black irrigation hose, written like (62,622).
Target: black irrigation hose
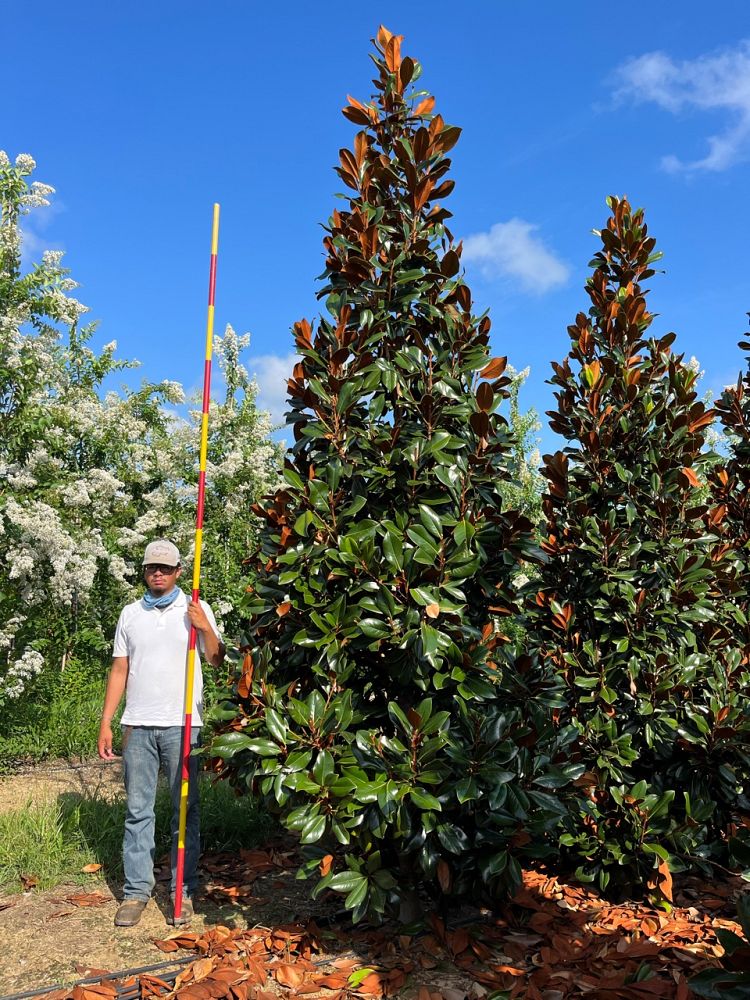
(127,973)
(92,980)
(22,768)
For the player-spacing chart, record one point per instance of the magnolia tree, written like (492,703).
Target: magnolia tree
(730,492)
(88,476)
(375,708)
(627,606)
(728,516)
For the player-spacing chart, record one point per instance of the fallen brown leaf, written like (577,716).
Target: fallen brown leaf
(332,982)
(201,968)
(167,945)
(445,878)
(154,985)
(288,975)
(87,899)
(325,864)
(87,972)
(370,984)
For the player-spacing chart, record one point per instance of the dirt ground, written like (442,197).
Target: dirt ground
(56,937)
(45,939)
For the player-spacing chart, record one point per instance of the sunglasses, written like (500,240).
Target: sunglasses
(160,568)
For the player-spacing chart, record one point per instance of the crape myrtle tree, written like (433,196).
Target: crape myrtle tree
(524,490)
(88,476)
(375,708)
(626,607)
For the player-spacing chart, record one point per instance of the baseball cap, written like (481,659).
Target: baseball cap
(161,551)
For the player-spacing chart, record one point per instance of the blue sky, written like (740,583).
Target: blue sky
(142,115)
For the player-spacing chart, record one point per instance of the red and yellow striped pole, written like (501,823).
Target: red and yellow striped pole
(190,667)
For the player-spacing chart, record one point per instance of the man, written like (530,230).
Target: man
(149,656)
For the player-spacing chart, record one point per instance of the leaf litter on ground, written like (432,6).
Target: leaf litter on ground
(553,941)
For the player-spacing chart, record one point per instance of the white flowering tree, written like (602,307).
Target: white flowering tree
(87,477)
(241,466)
(524,490)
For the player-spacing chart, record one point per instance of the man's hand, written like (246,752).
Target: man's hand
(116,682)
(198,618)
(104,743)
(209,641)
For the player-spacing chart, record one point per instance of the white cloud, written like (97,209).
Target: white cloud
(512,250)
(719,81)
(34,240)
(272,371)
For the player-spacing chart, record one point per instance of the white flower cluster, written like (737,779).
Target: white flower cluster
(28,665)
(17,476)
(173,391)
(46,557)
(66,309)
(25,163)
(38,196)
(9,631)
(20,669)
(228,350)
(121,570)
(528,471)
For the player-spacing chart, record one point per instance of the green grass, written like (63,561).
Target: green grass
(53,841)
(61,719)
(66,725)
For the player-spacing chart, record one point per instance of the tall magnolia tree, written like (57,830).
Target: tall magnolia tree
(374,708)
(626,605)
(731,495)
(728,516)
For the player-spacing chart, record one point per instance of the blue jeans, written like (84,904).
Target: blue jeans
(144,748)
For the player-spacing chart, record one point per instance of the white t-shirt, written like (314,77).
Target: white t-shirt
(155,642)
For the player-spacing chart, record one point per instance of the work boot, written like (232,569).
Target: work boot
(129,912)
(186,915)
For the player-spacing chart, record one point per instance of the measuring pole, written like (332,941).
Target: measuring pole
(190,667)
